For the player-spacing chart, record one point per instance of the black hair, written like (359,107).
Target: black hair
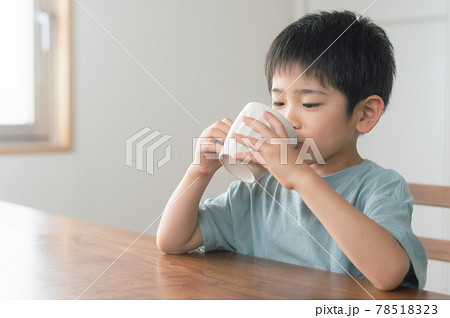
(359,63)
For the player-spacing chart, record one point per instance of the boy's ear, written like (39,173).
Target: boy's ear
(369,111)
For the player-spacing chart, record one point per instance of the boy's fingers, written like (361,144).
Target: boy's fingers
(276,124)
(217,133)
(222,125)
(251,156)
(216,141)
(259,127)
(228,121)
(245,140)
(211,148)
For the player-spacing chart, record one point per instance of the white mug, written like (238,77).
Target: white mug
(249,172)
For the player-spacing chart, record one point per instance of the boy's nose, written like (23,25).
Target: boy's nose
(293,119)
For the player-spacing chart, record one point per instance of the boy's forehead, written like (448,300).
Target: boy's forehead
(296,79)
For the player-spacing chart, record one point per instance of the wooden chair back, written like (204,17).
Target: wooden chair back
(433,195)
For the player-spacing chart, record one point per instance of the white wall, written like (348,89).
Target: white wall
(208,54)
(413,136)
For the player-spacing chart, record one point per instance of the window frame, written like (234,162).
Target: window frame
(52,129)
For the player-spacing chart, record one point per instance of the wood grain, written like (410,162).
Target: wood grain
(433,195)
(49,256)
(436,249)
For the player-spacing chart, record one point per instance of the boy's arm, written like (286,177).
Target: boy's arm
(178,231)
(370,247)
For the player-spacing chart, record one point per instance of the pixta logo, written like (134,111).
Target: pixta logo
(141,148)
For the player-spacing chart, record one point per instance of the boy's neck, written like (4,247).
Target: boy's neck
(337,163)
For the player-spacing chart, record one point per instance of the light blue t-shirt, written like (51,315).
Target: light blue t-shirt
(247,220)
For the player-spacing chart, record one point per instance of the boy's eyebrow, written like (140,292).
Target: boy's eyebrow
(303,91)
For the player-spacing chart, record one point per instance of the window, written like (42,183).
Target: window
(35,81)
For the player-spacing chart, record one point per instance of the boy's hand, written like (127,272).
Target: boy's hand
(283,169)
(209,145)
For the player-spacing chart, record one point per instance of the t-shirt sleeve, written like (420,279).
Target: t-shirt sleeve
(391,205)
(215,219)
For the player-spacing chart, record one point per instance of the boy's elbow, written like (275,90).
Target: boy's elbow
(166,247)
(391,278)
(162,247)
(386,285)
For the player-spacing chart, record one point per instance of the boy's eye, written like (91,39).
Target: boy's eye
(310,105)
(279,104)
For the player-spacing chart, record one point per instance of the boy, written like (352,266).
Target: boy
(348,215)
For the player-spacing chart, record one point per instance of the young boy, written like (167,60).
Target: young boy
(348,215)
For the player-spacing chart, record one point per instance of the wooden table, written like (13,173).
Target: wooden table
(48,256)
